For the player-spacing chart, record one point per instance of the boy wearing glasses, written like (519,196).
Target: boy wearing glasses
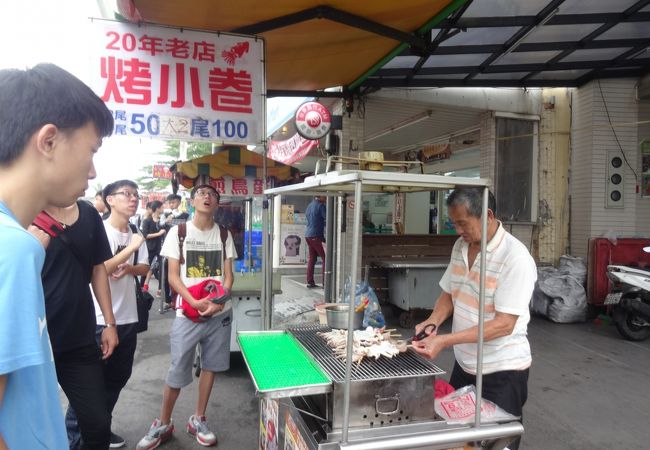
(51,127)
(121,198)
(202,247)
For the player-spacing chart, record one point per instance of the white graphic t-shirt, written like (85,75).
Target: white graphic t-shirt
(125,308)
(203,253)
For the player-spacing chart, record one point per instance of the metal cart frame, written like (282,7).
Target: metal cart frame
(357,182)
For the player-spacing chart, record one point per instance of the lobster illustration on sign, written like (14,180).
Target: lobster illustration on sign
(233,53)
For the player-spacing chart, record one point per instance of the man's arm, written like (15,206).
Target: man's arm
(501,325)
(228,277)
(442,311)
(113,264)
(148,230)
(156,234)
(139,270)
(3,385)
(102,292)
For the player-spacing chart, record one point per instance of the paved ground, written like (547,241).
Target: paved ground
(587,390)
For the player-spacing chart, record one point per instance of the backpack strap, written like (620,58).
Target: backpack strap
(134,230)
(54,229)
(48,224)
(182,232)
(223,231)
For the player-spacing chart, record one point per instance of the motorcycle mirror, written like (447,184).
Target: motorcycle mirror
(646,249)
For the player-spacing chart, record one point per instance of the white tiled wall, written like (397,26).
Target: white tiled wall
(592,137)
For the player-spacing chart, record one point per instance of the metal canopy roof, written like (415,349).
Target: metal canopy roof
(426,43)
(495,43)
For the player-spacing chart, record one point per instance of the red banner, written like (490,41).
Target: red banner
(292,150)
(161,171)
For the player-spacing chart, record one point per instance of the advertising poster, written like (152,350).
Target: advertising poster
(293,247)
(293,440)
(180,84)
(269,424)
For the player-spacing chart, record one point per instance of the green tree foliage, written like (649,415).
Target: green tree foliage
(168,156)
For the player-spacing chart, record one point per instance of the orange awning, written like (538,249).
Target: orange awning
(235,162)
(309,47)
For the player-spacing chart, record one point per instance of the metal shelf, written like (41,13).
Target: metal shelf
(375,182)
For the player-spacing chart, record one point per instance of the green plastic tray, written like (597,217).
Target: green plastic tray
(279,366)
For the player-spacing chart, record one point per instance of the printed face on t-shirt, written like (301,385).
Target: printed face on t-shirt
(203,264)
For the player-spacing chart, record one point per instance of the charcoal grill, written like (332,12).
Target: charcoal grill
(384,391)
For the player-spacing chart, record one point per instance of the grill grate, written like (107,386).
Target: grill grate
(405,365)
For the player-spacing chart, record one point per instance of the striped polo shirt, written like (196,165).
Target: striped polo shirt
(509,282)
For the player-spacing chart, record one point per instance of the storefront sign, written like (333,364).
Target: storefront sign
(161,171)
(146,197)
(313,120)
(237,187)
(291,150)
(174,84)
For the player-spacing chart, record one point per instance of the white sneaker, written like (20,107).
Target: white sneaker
(157,434)
(198,426)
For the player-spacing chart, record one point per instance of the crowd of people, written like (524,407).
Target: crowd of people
(75,270)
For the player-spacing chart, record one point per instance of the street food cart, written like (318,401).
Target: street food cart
(317,401)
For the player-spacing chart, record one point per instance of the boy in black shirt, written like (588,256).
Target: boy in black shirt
(74,261)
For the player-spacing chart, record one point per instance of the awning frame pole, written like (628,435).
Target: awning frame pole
(481,309)
(354,267)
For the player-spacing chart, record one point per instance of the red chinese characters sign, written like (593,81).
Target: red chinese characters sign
(161,171)
(292,150)
(238,187)
(188,85)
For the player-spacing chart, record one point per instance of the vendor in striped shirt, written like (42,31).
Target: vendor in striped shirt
(509,282)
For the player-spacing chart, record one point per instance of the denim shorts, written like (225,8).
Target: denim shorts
(213,336)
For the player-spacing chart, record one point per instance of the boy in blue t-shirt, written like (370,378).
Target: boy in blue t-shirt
(51,125)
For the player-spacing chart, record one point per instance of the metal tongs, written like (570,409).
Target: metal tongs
(425,333)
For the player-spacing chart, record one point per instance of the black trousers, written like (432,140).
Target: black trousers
(114,372)
(81,376)
(507,389)
(118,368)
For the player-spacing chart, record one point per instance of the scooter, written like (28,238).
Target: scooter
(629,300)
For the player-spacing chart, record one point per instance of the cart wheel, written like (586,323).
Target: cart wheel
(406,319)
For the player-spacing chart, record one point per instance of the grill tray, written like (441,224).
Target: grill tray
(405,365)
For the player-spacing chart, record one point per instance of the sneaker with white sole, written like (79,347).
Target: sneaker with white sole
(198,426)
(157,434)
(116,441)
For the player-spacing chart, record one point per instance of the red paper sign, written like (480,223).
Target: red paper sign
(292,150)
(161,171)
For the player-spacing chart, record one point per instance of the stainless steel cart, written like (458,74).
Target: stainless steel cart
(427,434)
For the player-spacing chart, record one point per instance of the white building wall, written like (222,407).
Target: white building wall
(643,204)
(592,138)
(554,154)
